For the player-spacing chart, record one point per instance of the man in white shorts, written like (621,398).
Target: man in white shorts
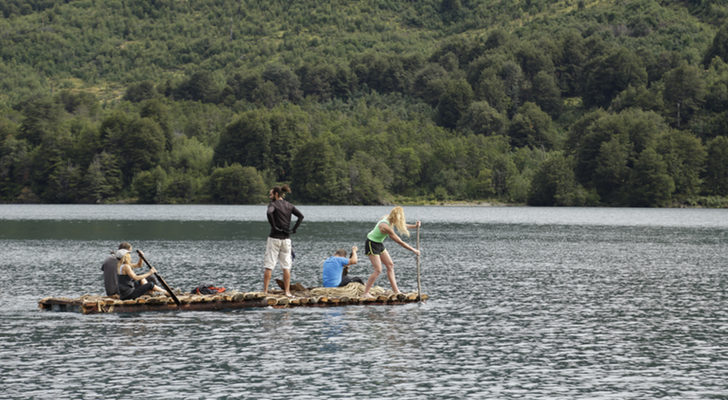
(278,246)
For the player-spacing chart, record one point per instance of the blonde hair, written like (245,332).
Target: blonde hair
(125,259)
(397,220)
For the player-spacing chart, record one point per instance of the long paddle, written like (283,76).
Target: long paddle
(419,294)
(166,287)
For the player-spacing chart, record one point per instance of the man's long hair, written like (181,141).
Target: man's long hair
(281,190)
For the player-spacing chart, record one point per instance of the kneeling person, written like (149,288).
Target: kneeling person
(335,272)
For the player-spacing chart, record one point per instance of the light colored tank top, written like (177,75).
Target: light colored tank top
(376,235)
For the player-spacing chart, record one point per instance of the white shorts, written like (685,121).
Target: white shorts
(277,250)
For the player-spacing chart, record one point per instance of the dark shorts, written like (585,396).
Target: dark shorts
(138,291)
(346,280)
(373,248)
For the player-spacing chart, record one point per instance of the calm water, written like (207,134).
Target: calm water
(526,303)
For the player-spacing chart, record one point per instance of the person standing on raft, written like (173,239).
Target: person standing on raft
(378,255)
(278,246)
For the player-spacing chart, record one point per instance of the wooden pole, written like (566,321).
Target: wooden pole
(419,285)
(166,287)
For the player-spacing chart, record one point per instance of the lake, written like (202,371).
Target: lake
(525,303)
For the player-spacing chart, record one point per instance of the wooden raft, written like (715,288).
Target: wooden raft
(90,304)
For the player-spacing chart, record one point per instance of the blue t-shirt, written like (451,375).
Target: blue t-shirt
(333,266)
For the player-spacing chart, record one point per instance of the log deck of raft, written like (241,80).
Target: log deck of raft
(314,297)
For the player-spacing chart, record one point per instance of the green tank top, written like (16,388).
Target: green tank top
(376,235)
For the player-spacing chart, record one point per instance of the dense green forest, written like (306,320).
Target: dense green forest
(571,102)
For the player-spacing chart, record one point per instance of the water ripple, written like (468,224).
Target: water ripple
(517,312)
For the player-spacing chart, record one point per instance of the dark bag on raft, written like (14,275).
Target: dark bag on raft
(208,289)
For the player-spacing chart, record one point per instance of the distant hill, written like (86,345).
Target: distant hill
(537,102)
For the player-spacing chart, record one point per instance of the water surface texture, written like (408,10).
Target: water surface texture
(526,303)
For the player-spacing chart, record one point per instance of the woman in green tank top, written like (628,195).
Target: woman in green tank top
(378,255)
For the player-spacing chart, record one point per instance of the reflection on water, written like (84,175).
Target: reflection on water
(518,310)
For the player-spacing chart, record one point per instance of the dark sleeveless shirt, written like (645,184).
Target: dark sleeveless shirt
(126,284)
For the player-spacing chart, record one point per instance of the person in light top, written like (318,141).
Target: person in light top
(378,255)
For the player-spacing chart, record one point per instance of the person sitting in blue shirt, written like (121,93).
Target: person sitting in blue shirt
(335,272)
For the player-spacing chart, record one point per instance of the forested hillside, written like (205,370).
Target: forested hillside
(572,102)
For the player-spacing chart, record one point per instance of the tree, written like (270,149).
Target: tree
(242,86)
(113,129)
(64,183)
(610,74)
(246,141)
(570,64)
(236,184)
(289,127)
(716,173)
(650,184)
(141,148)
(612,172)
(554,184)
(150,185)
(451,10)
(719,48)
(684,93)
(513,84)
(318,80)
(429,83)
(503,172)
(186,188)
(684,156)
(79,103)
(481,185)
(15,167)
(365,186)
(631,131)
(200,86)
(384,74)
(103,179)
(532,127)
(140,91)
(454,102)
(318,176)
(637,97)
(287,83)
(482,119)
(546,93)
(406,168)
(159,113)
(41,118)
(533,60)
(54,175)
(716,99)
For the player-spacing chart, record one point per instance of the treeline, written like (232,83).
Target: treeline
(566,103)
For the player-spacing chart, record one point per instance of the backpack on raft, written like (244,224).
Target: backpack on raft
(208,289)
